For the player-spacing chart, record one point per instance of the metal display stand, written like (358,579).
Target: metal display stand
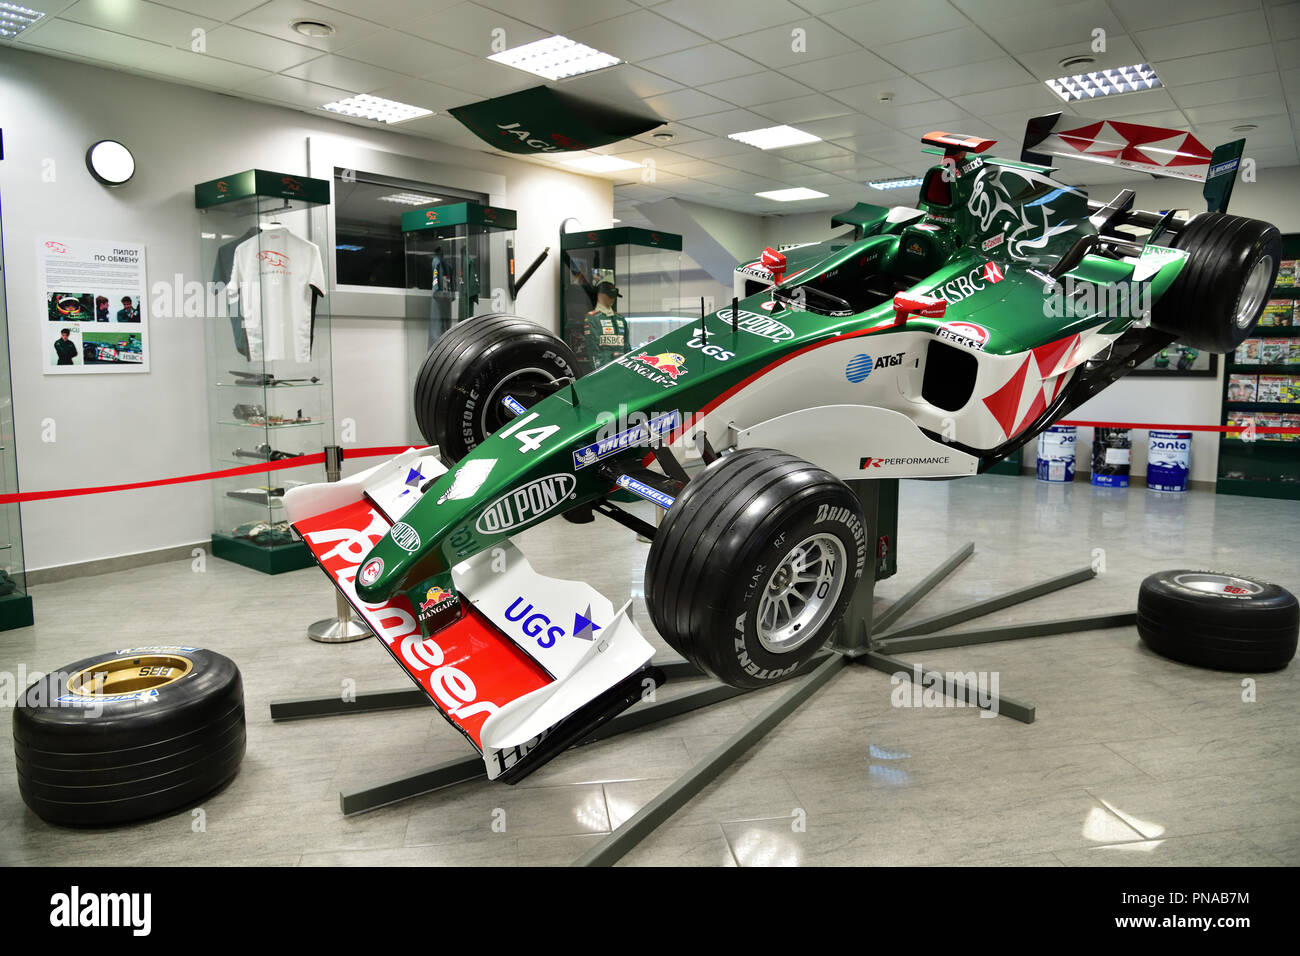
(862,637)
(343,628)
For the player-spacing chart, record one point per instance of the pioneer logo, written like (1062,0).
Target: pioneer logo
(76,909)
(526,504)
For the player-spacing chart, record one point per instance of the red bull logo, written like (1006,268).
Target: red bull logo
(434,596)
(671,364)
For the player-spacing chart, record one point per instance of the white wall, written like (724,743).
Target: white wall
(127,428)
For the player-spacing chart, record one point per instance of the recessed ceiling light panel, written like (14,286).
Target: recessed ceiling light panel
(902,182)
(376,108)
(774,137)
(555,57)
(15,19)
(1121,79)
(792,195)
(410,199)
(600,164)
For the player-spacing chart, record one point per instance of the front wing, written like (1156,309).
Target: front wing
(528,663)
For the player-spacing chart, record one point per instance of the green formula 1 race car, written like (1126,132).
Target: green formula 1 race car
(934,343)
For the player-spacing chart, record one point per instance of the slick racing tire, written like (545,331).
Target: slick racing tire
(129,735)
(1218,620)
(471,368)
(1223,287)
(754,565)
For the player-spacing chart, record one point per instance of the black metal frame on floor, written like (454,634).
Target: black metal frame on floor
(861,638)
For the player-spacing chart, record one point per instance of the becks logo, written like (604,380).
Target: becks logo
(76,909)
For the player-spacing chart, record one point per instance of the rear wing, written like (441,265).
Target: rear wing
(1144,149)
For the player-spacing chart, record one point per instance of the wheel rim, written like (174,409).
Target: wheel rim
(1252,294)
(129,675)
(1226,585)
(801,593)
(525,386)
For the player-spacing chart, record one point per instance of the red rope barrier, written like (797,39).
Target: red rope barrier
(1272,429)
(299,461)
(389,450)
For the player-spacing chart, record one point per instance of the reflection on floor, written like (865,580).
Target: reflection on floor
(1133,759)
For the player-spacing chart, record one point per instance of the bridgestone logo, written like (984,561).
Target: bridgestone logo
(854,525)
(525,504)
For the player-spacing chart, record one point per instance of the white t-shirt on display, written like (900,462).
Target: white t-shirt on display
(273,276)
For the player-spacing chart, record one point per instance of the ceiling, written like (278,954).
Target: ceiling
(870,79)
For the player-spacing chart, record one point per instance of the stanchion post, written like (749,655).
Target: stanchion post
(343,628)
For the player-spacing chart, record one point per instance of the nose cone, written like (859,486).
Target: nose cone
(435,533)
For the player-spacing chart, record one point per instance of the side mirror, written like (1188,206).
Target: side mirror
(906,304)
(773,262)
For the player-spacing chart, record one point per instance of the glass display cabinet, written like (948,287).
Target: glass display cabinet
(459,263)
(15,602)
(620,289)
(268,346)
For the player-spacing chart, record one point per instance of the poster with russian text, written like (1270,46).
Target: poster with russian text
(93,307)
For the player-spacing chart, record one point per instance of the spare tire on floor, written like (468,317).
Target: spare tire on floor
(1219,620)
(129,735)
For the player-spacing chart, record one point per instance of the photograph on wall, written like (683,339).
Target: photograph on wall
(112,348)
(94,292)
(70,307)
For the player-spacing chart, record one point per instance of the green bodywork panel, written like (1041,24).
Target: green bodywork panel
(531,470)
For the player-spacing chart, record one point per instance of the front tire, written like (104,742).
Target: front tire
(468,371)
(754,565)
(1221,292)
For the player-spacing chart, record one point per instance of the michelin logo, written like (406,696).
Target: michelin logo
(638,435)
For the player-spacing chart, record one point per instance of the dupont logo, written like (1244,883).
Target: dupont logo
(405,537)
(764,326)
(526,503)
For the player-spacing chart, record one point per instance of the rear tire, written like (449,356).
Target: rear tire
(1218,620)
(722,579)
(468,371)
(1223,287)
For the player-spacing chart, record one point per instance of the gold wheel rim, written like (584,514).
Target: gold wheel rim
(129,675)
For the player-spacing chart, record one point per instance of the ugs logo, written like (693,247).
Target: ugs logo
(713,351)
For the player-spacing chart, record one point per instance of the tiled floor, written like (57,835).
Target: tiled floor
(1133,759)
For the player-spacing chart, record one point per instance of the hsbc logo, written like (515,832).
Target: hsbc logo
(977,280)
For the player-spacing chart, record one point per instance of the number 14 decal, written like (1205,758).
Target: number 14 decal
(530,439)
